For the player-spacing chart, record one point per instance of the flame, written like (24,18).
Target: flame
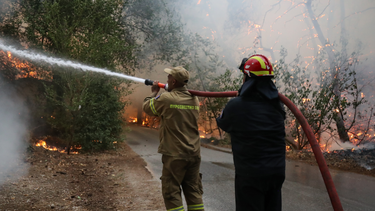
(305,100)
(26,70)
(42,143)
(133,119)
(202,136)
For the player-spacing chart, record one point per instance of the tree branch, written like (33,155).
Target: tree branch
(355,13)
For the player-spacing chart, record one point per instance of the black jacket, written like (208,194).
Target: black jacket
(255,121)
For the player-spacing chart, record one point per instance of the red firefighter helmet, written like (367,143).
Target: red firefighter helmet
(258,65)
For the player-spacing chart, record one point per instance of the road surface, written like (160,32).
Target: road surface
(303,188)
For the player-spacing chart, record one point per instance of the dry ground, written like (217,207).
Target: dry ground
(113,180)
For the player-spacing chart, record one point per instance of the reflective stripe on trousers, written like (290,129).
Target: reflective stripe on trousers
(177,209)
(196,207)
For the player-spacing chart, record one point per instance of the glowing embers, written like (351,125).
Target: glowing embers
(52,144)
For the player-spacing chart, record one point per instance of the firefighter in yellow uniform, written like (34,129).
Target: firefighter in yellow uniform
(179,141)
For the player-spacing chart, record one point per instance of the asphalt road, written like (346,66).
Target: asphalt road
(303,188)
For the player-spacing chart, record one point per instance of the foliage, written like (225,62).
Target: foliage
(351,105)
(156,26)
(212,107)
(313,93)
(310,93)
(201,60)
(85,109)
(204,65)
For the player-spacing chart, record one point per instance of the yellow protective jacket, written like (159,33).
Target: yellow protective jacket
(178,111)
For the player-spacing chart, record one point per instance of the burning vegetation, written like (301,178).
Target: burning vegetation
(55,144)
(15,68)
(143,119)
(48,122)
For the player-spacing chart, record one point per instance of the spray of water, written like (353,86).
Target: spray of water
(63,63)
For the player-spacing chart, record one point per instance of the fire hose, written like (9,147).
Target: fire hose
(330,186)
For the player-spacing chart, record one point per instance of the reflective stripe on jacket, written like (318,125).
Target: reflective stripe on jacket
(178,111)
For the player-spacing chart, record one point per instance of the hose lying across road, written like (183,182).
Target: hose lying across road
(330,186)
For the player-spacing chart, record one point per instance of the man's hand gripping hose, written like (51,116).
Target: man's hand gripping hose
(335,200)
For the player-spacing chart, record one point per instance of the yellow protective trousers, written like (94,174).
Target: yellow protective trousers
(182,173)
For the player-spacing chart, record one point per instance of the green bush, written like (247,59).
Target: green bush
(101,123)
(85,110)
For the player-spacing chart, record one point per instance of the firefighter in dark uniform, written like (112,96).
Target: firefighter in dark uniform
(179,141)
(255,121)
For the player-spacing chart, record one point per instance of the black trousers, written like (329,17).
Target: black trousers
(258,193)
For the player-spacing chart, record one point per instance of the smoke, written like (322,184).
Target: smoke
(342,146)
(338,145)
(13,129)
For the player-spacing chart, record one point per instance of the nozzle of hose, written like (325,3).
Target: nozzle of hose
(149,82)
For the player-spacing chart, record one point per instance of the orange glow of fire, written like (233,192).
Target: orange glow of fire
(133,119)
(305,100)
(21,65)
(43,144)
(26,70)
